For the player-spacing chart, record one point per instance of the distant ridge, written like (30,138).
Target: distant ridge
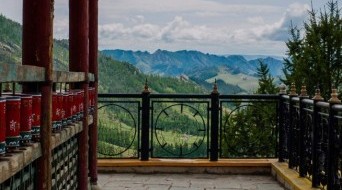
(252,57)
(187,62)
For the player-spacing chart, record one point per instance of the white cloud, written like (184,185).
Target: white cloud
(177,30)
(145,31)
(256,20)
(181,6)
(279,31)
(61,28)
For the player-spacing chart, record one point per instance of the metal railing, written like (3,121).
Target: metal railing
(310,139)
(304,132)
(187,126)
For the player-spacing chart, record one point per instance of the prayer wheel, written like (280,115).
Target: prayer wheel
(2,126)
(26,119)
(12,121)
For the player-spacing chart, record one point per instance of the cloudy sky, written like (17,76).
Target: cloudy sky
(211,26)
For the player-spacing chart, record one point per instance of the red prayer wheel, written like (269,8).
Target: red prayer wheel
(26,118)
(12,121)
(78,102)
(71,108)
(65,107)
(56,112)
(93,95)
(36,112)
(91,99)
(81,103)
(2,126)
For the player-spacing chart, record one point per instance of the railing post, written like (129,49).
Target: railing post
(316,120)
(291,140)
(215,106)
(145,124)
(302,156)
(281,128)
(332,152)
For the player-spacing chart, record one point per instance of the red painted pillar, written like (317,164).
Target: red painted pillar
(37,50)
(29,32)
(93,68)
(79,61)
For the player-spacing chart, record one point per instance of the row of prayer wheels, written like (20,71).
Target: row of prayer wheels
(20,116)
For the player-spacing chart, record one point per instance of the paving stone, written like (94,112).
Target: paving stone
(181,183)
(159,180)
(123,188)
(201,183)
(158,187)
(269,186)
(187,181)
(231,185)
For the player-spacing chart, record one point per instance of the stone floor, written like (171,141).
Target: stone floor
(186,181)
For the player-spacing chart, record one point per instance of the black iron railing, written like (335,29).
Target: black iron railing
(187,126)
(304,132)
(310,139)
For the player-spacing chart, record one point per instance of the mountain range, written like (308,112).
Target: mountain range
(169,63)
(237,70)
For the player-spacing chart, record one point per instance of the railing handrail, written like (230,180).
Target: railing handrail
(199,96)
(337,107)
(111,95)
(250,96)
(177,96)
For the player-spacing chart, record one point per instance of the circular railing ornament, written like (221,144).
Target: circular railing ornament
(117,132)
(182,131)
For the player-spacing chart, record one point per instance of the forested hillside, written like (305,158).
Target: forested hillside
(10,41)
(119,77)
(11,45)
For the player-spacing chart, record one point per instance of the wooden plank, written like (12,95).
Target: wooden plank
(185,163)
(21,73)
(11,165)
(29,73)
(66,76)
(65,134)
(91,77)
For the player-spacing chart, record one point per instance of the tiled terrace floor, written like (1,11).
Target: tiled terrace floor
(186,181)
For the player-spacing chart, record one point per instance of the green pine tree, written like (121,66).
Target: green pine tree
(249,129)
(266,85)
(314,53)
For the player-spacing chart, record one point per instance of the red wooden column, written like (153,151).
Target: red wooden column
(93,68)
(37,50)
(79,61)
(29,45)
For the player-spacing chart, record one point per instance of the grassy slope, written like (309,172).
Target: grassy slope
(248,83)
(120,77)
